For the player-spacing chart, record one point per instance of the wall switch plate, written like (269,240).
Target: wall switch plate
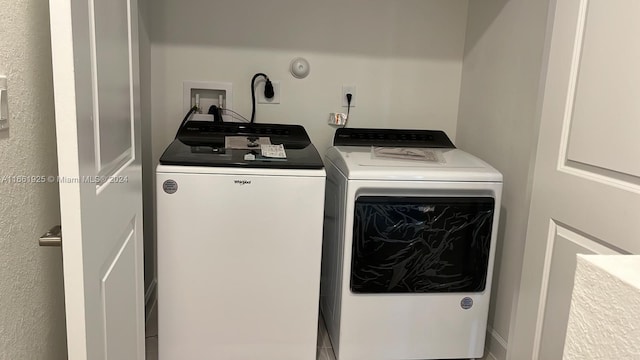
(260,93)
(348,89)
(4,104)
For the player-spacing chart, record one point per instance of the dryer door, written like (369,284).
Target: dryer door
(433,244)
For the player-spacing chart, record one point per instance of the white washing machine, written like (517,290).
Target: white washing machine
(239,244)
(408,247)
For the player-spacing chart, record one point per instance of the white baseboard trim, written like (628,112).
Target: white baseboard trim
(496,346)
(150,298)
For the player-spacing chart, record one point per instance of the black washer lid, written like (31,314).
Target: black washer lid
(202,143)
(392,138)
(208,132)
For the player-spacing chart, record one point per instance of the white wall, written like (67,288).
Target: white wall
(404,56)
(498,122)
(32,324)
(604,320)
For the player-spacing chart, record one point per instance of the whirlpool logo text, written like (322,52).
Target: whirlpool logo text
(242,182)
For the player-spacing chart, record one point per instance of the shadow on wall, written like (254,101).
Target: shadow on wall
(480,22)
(380,28)
(502,225)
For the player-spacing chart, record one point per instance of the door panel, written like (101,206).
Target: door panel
(586,190)
(95,73)
(118,293)
(604,122)
(560,264)
(112,85)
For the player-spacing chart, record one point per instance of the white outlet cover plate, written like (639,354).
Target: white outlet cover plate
(260,93)
(348,89)
(337,119)
(4,104)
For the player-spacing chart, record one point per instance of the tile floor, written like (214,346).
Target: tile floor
(324,351)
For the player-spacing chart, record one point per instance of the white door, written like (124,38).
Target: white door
(96,87)
(586,191)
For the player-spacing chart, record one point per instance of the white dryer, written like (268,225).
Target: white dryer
(408,247)
(239,244)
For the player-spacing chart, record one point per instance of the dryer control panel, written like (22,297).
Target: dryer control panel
(392,138)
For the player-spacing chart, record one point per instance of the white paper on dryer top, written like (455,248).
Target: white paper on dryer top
(416,154)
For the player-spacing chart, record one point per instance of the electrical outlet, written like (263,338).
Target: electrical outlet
(338,119)
(349,89)
(260,93)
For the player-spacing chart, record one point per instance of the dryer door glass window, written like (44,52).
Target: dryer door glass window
(420,244)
